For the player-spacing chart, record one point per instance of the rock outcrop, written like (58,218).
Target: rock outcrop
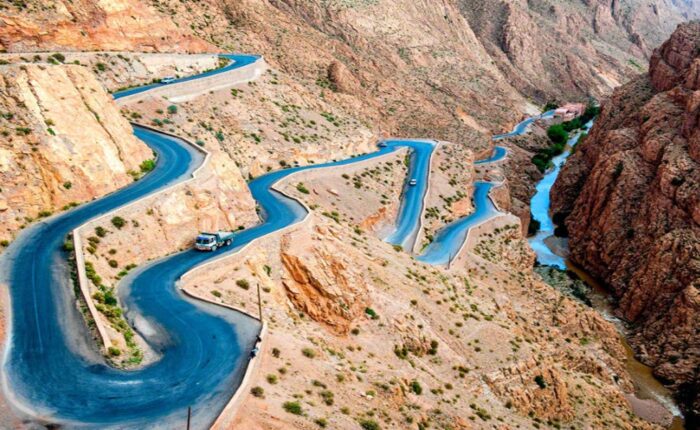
(63,142)
(630,195)
(107,25)
(326,286)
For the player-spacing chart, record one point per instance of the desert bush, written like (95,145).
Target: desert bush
(258,392)
(118,222)
(293,408)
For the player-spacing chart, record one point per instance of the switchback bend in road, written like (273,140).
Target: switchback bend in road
(51,370)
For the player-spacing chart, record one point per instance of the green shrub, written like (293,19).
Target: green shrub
(308,353)
(4,243)
(367,424)
(172,109)
(109,298)
(372,313)
(114,351)
(302,188)
(113,263)
(243,283)
(59,57)
(100,231)
(416,387)
(258,392)
(557,134)
(216,293)
(147,165)
(118,222)
(327,397)
(433,347)
(293,408)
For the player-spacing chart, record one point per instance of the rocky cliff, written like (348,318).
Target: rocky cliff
(572,48)
(631,198)
(63,142)
(106,25)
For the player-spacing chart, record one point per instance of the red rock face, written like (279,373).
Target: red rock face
(117,25)
(631,197)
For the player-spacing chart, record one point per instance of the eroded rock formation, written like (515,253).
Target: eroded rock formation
(325,285)
(63,141)
(110,25)
(631,197)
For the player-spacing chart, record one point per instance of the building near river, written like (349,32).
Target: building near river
(570,111)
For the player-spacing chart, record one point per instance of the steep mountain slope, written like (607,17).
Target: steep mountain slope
(35,25)
(631,198)
(450,69)
(572,48)
(455,70)
(63,142)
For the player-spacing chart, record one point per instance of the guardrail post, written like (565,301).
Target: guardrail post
(259,304)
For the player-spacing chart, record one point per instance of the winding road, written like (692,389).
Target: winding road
(522,127)
(51,369)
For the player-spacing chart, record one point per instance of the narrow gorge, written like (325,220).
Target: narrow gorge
(629,197)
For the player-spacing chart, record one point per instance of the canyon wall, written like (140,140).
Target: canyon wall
(63,142)
(631,198)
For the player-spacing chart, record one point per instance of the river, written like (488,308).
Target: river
(552,251)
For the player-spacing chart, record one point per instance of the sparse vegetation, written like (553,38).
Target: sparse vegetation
(147,165)
(293,408)
(308,353)
(539,380)
(368,424)
(258,392)
(118,222)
